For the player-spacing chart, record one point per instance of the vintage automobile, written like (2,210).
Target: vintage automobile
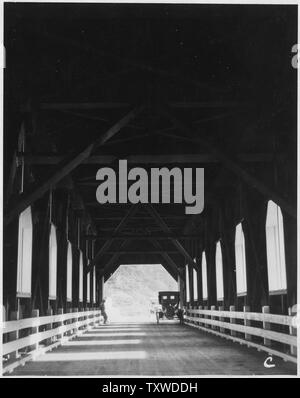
(168,301)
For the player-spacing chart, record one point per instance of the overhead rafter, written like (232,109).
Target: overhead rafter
(166,262)
(228,163)
(71,183)
(167,236)
(108,242)
(118,218)
(119,105)
(66,167)
(170,270)
(167,230)
(114,258)
(150,252)
(193,221)
(150,159)
(78,105)
(83,115)
(166,257)
(203,104)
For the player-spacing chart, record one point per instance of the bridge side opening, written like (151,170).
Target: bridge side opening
(132,288)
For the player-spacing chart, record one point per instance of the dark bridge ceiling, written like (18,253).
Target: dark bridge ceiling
(224,72)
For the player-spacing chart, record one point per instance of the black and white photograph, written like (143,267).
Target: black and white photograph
(149,192)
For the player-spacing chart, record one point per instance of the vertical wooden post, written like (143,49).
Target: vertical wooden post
(187,310)
(266,325)
(80,319)
(199,316)
(96,317)
(70,331)
(49,325)
(88,319)
(181,293)
(211,275)
(4,336)
(88,326)
(221,308)
(206,316)
(293,332)
(3,314)
(34,330)
(60,311)
(14,316)
(84,318)
(213,308)
(193,315)
(199,282)
(92,318)
(191,286)
(75,330)
(232,320)
(247,322)
(101,290)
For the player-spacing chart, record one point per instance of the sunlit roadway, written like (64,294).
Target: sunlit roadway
(89,356)
(101,342)
(116,334)
(164,349)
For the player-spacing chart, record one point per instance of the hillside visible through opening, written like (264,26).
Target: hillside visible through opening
(129,291)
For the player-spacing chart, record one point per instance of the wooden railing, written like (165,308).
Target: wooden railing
(26,338)
(272,333)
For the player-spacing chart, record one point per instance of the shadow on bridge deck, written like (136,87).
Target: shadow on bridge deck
(150,349)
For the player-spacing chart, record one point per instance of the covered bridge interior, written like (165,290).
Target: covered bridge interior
(201,86)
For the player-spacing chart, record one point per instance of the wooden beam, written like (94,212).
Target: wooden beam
(112,270)
(108,242)
(114,263)
(164,254)
(166,257)
(118,218)
(66,167)
(203,104)
(11,178)
(72,184)
(114,258)
(150,159)
(96,118)
(170,270)
(229,163)
(133,252)
(169,236)
(167,230)
(138,228)
(119,105)
(14,165)
(123,206)
(77,105)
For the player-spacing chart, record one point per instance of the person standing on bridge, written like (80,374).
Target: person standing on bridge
(103,312)
(180,313)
